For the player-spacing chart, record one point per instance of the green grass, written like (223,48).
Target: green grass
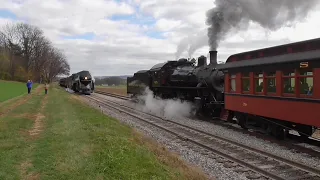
(10,89)
(76,142)
(14,148)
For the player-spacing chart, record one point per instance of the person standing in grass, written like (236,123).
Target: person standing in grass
(46,86)
(29,86)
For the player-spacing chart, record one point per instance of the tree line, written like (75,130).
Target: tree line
(25,53)
(111,81)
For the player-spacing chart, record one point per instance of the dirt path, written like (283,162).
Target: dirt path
(33,134)
(25,175)
(38,122)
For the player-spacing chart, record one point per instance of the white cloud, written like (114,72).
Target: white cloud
(123,47)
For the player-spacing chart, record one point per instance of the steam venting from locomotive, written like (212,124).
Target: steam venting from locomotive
(168,108)
(237,14)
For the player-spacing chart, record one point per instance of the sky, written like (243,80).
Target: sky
(120,37)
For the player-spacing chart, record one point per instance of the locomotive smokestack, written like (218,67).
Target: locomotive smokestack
(213,57)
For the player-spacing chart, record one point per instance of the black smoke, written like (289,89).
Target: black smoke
(270,14)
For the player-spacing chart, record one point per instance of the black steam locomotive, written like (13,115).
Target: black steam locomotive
(182,79)
(81,81)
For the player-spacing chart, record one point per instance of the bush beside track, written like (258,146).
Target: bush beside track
(56,136)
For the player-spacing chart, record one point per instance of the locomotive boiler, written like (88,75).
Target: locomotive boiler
(182,79)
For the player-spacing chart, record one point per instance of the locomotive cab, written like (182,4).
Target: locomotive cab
(137,84)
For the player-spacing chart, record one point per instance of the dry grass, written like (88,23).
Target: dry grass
(121,90)
(29,116)
(14,105)
(168,158)
(24,171)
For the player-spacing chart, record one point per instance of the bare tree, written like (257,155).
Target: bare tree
(10,45)
(57,65)
(40,56)
(25,49)
(28,37)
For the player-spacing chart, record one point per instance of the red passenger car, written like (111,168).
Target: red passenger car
(277,88)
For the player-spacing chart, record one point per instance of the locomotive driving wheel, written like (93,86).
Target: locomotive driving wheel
(242,120)
(277,131)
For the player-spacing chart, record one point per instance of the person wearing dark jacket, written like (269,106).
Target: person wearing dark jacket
(29,86)
(46,86)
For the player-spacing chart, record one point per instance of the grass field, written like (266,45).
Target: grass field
(10,89)
(122,90)
(56,136)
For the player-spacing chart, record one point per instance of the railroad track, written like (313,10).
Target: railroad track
(241,158)
(113,95)
(293,139)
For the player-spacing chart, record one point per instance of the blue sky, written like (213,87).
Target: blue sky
(7,14)
(86,36)
(131,19)
(141,21)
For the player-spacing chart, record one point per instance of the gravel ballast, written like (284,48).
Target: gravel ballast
(213,168)
(210,166)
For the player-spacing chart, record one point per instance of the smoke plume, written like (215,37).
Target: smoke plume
(192,43)
(183,45)
(169,108)
(197,41)
(269,14)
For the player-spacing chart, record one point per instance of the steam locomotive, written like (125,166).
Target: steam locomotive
(182,79)
(81,81)
(276,89)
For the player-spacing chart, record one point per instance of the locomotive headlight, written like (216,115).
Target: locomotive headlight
(85,78)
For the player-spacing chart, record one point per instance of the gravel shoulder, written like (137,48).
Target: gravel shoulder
(210,166)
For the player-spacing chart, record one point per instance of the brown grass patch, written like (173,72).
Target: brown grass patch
(25,116)
(168,158)
(38,121)
(120,91)
(37,126)
(10,100)
(86,150)
(24,171)
(75,97)
(14,106)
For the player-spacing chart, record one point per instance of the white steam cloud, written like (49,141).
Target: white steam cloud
(168,108)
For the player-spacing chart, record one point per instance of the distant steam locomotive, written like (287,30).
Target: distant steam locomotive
(277,88)
(82,82)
